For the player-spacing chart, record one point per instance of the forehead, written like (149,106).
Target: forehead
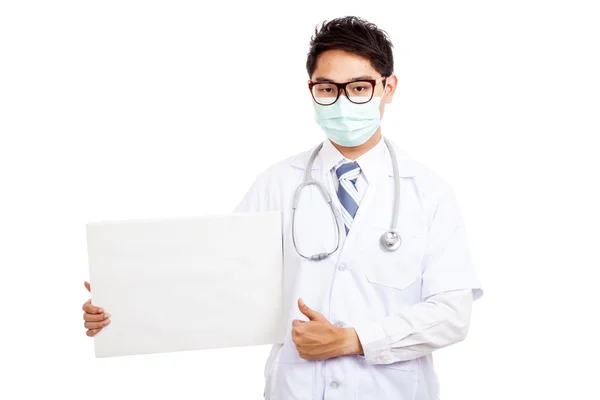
(341,66)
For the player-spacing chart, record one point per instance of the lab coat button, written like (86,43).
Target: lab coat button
(334,385)
(342,267)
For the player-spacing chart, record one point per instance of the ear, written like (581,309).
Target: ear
(390,88)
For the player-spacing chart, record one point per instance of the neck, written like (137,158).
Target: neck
(352,153)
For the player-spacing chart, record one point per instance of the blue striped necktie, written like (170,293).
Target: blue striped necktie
(347,192)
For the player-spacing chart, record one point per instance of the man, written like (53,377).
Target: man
(363,321)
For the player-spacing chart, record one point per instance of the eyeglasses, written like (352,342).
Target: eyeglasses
(358,92)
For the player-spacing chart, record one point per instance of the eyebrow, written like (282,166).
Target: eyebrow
(358,78)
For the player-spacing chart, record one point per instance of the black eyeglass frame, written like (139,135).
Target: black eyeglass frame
(344,85)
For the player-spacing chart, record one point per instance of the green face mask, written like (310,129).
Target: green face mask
(349,124)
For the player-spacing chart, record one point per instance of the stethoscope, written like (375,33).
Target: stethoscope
(390,240)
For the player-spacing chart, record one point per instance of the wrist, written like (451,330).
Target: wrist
(350,341)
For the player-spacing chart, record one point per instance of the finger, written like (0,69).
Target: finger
(89,308)
(87,286)
(92,332)
(95,317)
(310,313)
(310,357)
(297,332)
(96,325)
(296,325)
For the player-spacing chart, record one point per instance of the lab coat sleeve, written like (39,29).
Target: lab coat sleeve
(440,321)
(449,286)
(447,263)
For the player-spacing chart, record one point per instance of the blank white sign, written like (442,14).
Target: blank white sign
(187,283)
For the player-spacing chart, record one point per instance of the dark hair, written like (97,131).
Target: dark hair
(354,35)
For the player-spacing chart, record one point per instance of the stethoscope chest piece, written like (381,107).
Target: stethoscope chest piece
(391,240)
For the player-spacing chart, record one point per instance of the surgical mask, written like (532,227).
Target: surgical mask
(349,124)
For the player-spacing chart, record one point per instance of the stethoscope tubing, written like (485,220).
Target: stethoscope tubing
(390,240)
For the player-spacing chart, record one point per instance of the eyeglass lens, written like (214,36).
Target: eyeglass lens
(357,92)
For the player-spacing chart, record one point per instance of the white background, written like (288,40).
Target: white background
(147,109)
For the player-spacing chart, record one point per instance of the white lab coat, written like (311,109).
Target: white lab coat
(361,283)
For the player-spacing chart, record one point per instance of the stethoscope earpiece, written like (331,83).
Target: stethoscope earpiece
(391,240)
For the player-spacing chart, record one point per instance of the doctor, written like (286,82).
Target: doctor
(381,276)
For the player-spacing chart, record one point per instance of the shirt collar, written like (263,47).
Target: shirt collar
(370,163)
(330,156)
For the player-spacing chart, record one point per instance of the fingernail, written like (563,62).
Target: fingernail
(107,315)
(107,322)
(100,310)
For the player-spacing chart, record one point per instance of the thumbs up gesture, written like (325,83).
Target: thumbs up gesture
(318,339)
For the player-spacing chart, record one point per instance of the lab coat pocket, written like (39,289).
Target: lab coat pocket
(293,377)
(395,276)
(387,277)
(400,268)
(382,381)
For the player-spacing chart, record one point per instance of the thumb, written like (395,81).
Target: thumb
(310,313)
(87,286)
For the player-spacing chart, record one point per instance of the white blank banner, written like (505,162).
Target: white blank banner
(187,283)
